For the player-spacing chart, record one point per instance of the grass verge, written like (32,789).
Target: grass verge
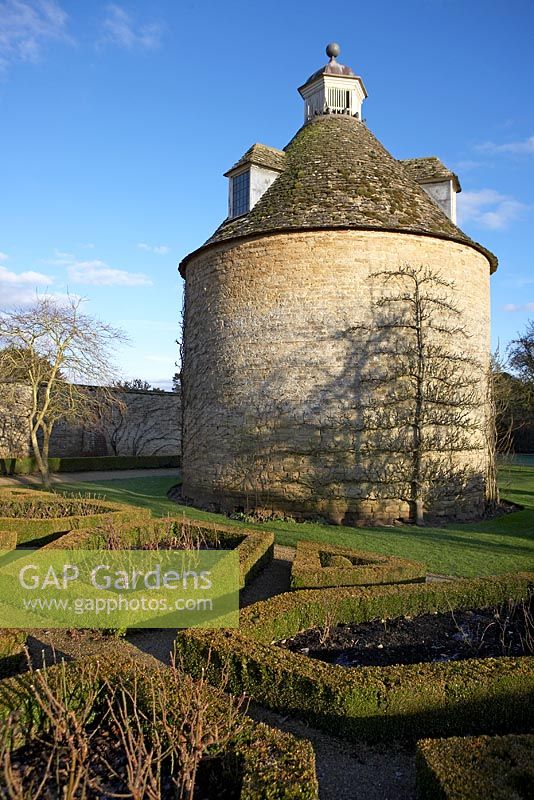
(492,547)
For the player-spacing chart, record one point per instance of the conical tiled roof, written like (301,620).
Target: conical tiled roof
(338,175)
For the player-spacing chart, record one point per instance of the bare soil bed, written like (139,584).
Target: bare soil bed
(106,775)
(452,636)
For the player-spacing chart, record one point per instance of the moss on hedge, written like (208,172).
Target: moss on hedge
(30,530)
(275,765)
(317,565)
(26,466)
(286,614)
(12,655)
(404,701)
(476,768)
(8,540)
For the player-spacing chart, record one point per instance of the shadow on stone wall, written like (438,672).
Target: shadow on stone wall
(345,450)
(145,424)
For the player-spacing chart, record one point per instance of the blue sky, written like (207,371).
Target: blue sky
(117,121)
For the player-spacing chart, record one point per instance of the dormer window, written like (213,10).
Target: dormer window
(250,178)
(240,200)
(437,180)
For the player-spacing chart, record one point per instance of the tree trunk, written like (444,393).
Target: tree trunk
(42,464)
(417,482)
(492,488)
(47,430)
(419,511)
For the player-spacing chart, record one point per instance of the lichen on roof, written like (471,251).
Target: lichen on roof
(338,175)
(429,170)
(262,156)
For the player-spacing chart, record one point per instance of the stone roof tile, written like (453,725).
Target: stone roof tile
(338,175)
(263,156)
(429,170)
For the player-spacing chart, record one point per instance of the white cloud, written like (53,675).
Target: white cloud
(36,278)
(158,383)
(3,256)
(522,281)
(163,383)
(524,147)
(25,26)
(513,307)
(120,29)
(20,288)
(60,259)
(159,249)
(98,273)
(488,208)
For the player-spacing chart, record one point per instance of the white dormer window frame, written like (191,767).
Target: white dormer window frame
(239,193)
(246,186)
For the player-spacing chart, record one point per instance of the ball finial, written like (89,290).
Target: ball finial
(333,50)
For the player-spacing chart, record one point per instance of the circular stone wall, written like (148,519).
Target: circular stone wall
(273,355)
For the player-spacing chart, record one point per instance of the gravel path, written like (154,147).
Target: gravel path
(274,579)
(350,770)
(345,770)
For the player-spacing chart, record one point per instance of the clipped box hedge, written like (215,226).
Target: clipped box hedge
(29,529)
(476,768)
(273,765)
(318,565)
(27,466)
(254,548)
(8,540)
(12,655)
(373,703)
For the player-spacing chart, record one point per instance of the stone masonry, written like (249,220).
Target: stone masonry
(271,368)
(14,411)
(148,424)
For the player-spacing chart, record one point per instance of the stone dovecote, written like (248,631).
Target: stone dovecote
(270,374)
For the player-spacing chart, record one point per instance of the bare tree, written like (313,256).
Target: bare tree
(521,354)
(55,349)
(421,392)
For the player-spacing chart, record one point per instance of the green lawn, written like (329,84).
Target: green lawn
(505,544)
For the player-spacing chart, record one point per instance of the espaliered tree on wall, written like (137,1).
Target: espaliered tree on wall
(420,437)
(131,427)
(55,349)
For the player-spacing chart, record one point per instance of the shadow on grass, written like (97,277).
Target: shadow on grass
(493,546)
(150,493)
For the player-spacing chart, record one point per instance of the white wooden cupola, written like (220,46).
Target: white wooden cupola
(334,89)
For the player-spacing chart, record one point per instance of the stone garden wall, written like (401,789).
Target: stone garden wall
(15,401)
(147,424)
